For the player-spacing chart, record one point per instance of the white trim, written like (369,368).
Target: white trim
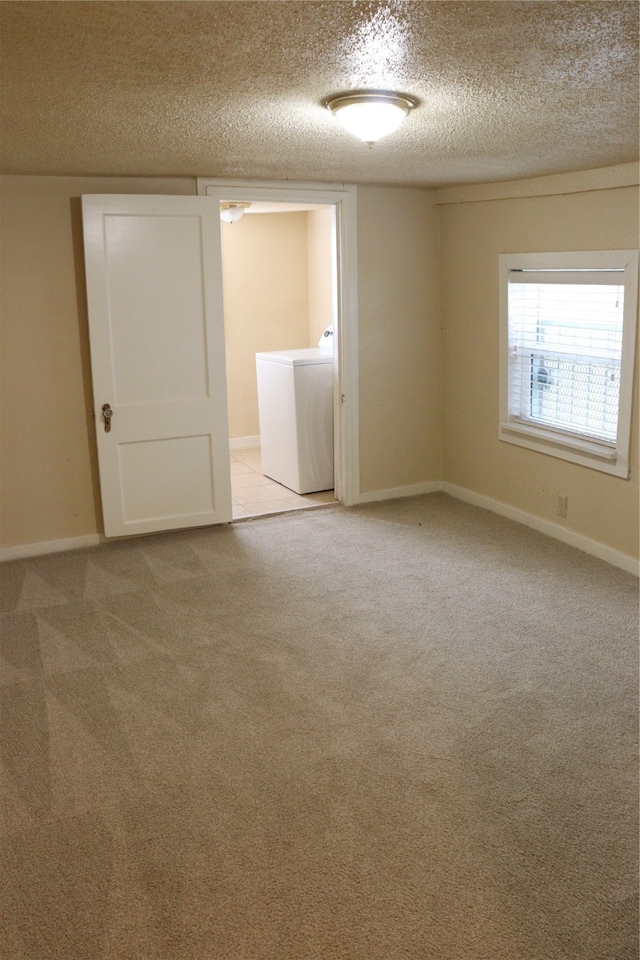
(25,550)
(343,198)
(555,530)
(244,443)
(271,191)
(397,493)
(580,181)
(573,451)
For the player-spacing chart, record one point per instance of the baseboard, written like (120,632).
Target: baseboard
(395,493)
(244,443)
(555,530)
(570,537)
(25,550)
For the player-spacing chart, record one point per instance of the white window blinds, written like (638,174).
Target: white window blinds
(565,350)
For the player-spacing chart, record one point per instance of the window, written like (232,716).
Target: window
(567,351)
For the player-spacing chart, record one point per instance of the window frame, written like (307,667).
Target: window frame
(612,458)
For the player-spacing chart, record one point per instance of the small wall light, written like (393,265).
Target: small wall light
(230,212)
(371,114)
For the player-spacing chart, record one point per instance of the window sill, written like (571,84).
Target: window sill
(584,452)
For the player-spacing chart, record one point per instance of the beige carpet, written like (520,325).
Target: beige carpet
(405,731)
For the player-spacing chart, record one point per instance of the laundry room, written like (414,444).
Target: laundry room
(279,302)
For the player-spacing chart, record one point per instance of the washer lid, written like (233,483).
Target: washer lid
(296,358)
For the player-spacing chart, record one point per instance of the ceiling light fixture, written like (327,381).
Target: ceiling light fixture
(231,212)
(370,114)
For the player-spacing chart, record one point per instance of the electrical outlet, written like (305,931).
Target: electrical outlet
(562,505)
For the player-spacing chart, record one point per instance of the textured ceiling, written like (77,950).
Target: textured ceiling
(235,89)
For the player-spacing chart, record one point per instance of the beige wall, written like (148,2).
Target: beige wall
(320,271)
(47,455)
(48,472)
(601,507)
(49,478)
(266,302)
(400,338)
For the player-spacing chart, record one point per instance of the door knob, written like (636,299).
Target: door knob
(107,413)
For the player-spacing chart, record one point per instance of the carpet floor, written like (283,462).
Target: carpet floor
(402,731)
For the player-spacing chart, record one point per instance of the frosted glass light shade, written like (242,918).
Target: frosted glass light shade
(231,212)
(371,116)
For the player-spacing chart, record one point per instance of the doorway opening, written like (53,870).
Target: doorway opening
(288,281)
(279,283)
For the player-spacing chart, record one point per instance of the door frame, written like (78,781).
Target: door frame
(343,199)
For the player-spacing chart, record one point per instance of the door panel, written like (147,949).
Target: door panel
(157,315)
(156,327)
(183,481)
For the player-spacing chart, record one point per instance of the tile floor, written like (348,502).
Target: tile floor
(254,494)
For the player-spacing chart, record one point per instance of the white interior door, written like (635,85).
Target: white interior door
(156,328)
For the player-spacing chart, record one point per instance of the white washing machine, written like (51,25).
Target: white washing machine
(295,405)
